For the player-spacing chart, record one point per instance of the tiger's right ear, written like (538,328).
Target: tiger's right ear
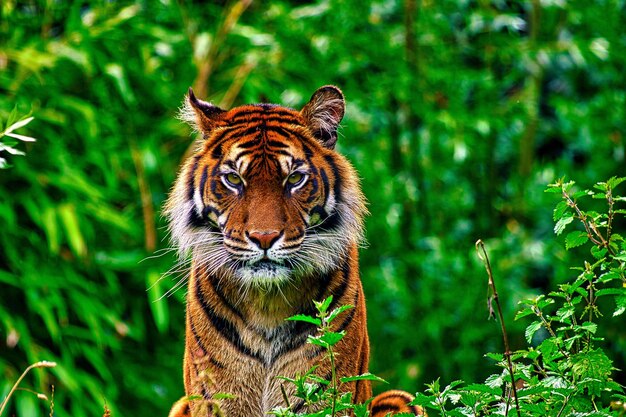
(323,113)
(200,115)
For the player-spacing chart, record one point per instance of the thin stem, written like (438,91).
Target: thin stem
(590,227)
(482,254)
(334,380)
(42,364)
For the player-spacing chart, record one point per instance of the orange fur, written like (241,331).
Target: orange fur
(271,216)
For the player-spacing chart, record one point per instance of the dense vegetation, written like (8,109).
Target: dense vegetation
(459,114)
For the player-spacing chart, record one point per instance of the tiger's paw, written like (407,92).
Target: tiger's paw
(394,402)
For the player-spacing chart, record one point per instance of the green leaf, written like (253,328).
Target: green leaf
(305,318)
(592,370)
(589,327)
(523,313)
(223,396)
(615,181)
(333,314)
(322,306)
(575,239)
(563,221)
(621,305)
(531,330)
(69,219)
(333,337)
(494,381)
(559,210)
(157,302)
(424,400)
(363,377)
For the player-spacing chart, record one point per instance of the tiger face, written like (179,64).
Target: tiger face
(266,199)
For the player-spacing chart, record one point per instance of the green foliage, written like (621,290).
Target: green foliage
(458,113)
(566,370)
(324,397)
(8,136)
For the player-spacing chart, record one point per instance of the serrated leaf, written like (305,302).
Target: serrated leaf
(611,291)
(333,314)
(531,330)
(598,253)
(483,388)
(523,313)
(494,381)
(363,377)
(615,181)
(332,337)
(593,367)
(305,318)
(560,225)
(223,396)
(579,194)
(590,327)
(621,305)
(424,400)
(575,239)
(559,210)
(322,306)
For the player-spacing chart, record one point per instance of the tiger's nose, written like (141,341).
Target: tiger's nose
(265,239)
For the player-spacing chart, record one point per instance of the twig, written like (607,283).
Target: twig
(42,364)
(482,254)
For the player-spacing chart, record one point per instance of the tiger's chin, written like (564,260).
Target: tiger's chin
(264,274)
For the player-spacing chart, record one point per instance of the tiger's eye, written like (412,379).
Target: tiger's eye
(295,178)
(233,179)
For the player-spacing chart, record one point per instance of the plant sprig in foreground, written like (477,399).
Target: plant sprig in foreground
(564,371)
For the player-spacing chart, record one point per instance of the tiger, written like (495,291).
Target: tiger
(271,217)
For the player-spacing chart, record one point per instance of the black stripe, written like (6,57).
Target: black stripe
(214,191)
(297,338)
(337,175)
(384,408)
(325,184)
(207,210)
(191,178)
(307,152)
(195,220)
(216,287)
(346,322)
(277,144)
(203,179)
(201,346)
(297,407)
(251,143)
(217,151)
(277,113)
(281,152)
(329,223)
(242,153)
(194,332)
(345,278)
(313,193)
(226,328)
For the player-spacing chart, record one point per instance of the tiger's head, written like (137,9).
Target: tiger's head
(266,198)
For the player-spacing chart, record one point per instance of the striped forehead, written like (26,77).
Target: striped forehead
(266,149)
(259,135)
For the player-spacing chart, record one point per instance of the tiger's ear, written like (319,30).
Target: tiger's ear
(323,113)
(200,115)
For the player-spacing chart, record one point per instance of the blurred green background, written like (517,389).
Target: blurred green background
(459,113)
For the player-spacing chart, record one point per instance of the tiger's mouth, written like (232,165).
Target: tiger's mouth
(264,272)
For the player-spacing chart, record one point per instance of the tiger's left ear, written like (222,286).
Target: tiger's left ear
(323,113)
(200,115)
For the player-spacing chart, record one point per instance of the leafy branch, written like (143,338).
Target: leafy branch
(8,136)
